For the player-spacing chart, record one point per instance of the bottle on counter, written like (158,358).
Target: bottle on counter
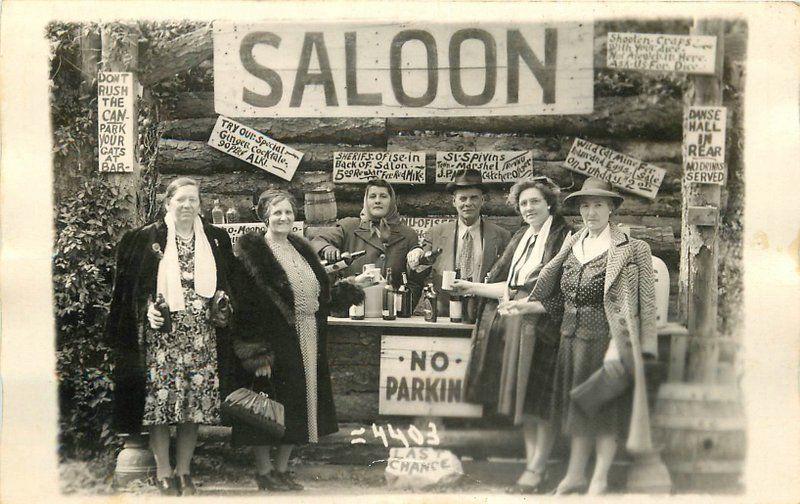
(405,306)
(456,303)
(231,216)
(389,295)
(357,311)
(345,260)
(217,214)
(430,303)
(163,309)
(429,257)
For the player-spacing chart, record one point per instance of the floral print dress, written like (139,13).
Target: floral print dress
(182,379)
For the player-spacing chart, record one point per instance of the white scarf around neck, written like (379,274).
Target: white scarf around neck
(168,281)
(537,254)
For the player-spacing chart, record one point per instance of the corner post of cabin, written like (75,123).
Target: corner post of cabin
(700,217)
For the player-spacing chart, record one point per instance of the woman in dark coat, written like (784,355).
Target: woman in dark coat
(281,297)
(512,362)
(173,378)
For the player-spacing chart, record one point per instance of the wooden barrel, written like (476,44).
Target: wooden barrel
(320,206)
(700,429)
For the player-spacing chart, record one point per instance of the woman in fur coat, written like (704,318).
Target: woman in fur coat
(281,297)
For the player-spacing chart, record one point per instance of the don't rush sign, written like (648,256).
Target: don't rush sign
(313,69)
(424,376)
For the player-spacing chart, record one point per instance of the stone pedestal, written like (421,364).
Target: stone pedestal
(135,461)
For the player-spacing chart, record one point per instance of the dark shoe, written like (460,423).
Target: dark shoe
(168,486)
(288,478)
(272,482)
(518,488)
(186,485)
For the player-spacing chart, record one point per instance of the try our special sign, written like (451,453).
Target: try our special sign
(424,376)
(704,145)
(495,166)
(116,131)
(394,167)
(391,69)
(236,231)
(619,169)
(694,54)
(254,147)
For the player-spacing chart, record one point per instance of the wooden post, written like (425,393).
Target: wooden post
(700,225)
(120,44)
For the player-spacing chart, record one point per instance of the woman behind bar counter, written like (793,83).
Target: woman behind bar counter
(602,282)
(511,366)
(281,298)
(378,231)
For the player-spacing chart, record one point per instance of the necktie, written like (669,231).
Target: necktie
(466,256)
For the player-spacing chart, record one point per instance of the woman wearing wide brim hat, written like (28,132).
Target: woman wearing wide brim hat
(602,282)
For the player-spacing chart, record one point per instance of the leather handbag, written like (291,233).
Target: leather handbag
(255,409)
(221,309)
(599,389)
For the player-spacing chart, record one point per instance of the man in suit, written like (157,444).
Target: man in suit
(470,243)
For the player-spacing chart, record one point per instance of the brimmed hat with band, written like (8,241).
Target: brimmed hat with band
(593,186)
(464,179)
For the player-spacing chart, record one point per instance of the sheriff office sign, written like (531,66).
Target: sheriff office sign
(424,376)
(325,69)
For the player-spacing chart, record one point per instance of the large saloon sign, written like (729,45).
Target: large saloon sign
(281,69)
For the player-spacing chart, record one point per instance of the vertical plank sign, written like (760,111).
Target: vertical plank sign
(704,145)
(395,69)
(116,130)
(424,376)
(254,147)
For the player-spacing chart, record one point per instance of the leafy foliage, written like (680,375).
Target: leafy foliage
(83,268)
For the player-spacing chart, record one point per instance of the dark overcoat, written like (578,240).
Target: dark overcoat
(134,283)
(264,331)
(483,372)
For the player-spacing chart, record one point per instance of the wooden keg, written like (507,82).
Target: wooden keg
(700,429)
(320,206)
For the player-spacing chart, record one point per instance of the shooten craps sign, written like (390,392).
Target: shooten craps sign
(327,69)
(424,376)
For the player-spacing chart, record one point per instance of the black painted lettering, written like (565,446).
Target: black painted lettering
(351,75)
(439,361)
(314,40)
(395,68)
(268,75)
(418,360)
(490,68)
(545,74)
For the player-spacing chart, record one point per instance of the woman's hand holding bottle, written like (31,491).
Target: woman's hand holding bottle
(154,316)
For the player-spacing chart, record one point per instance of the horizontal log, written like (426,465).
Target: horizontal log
(356,407)
(641,117)
(179,55)
(348,379)
(365,131)
(542,148)
(187,157)
(196,157)
(253,182)
(193,104)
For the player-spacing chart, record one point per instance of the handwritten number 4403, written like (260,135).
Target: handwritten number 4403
(412,433)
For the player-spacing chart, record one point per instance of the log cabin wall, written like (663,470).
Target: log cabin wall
(643,122)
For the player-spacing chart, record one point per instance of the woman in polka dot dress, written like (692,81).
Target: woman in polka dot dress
(601,284)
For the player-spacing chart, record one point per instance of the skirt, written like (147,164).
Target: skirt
(578,359)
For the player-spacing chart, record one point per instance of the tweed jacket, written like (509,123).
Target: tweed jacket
(629,305)
(495,239)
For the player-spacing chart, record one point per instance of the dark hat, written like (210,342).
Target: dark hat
(593,186)
(464,179)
